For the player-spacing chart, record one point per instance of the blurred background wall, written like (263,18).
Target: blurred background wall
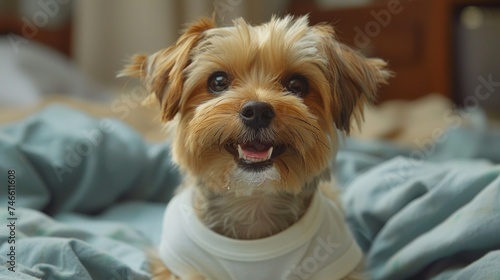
(448,47)
(106,32)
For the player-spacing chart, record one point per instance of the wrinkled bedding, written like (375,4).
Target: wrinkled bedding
(90,194)
(435,218)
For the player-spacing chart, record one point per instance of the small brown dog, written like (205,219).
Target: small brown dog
(255,113)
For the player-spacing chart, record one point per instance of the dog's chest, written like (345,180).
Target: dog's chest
(318,245)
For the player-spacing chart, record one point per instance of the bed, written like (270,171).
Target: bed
(420,181)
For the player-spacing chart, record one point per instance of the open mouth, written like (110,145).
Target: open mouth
(255,155)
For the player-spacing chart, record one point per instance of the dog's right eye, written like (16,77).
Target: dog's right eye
(218,82)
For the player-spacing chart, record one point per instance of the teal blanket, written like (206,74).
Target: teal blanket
(87,197)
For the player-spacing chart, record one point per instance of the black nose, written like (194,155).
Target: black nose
(257,114)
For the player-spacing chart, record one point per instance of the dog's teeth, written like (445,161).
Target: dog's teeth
(240,152)
(245,156)
(269,153)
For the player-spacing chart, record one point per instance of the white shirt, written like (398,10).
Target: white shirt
(319,246)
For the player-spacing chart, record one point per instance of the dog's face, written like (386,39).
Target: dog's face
(258,107)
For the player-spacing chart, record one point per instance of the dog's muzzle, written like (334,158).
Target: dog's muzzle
(255,155)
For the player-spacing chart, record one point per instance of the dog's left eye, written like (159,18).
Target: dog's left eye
(218,82)
(298,85)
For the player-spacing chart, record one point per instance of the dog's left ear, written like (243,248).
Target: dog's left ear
(162,73)
(354,79)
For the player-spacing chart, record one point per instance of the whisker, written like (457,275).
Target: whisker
(299,119)
(219,132)
(311,128)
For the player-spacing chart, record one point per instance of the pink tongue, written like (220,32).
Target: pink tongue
(252,154)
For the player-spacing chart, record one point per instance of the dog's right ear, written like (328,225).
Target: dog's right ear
(162,73)
(354,79)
